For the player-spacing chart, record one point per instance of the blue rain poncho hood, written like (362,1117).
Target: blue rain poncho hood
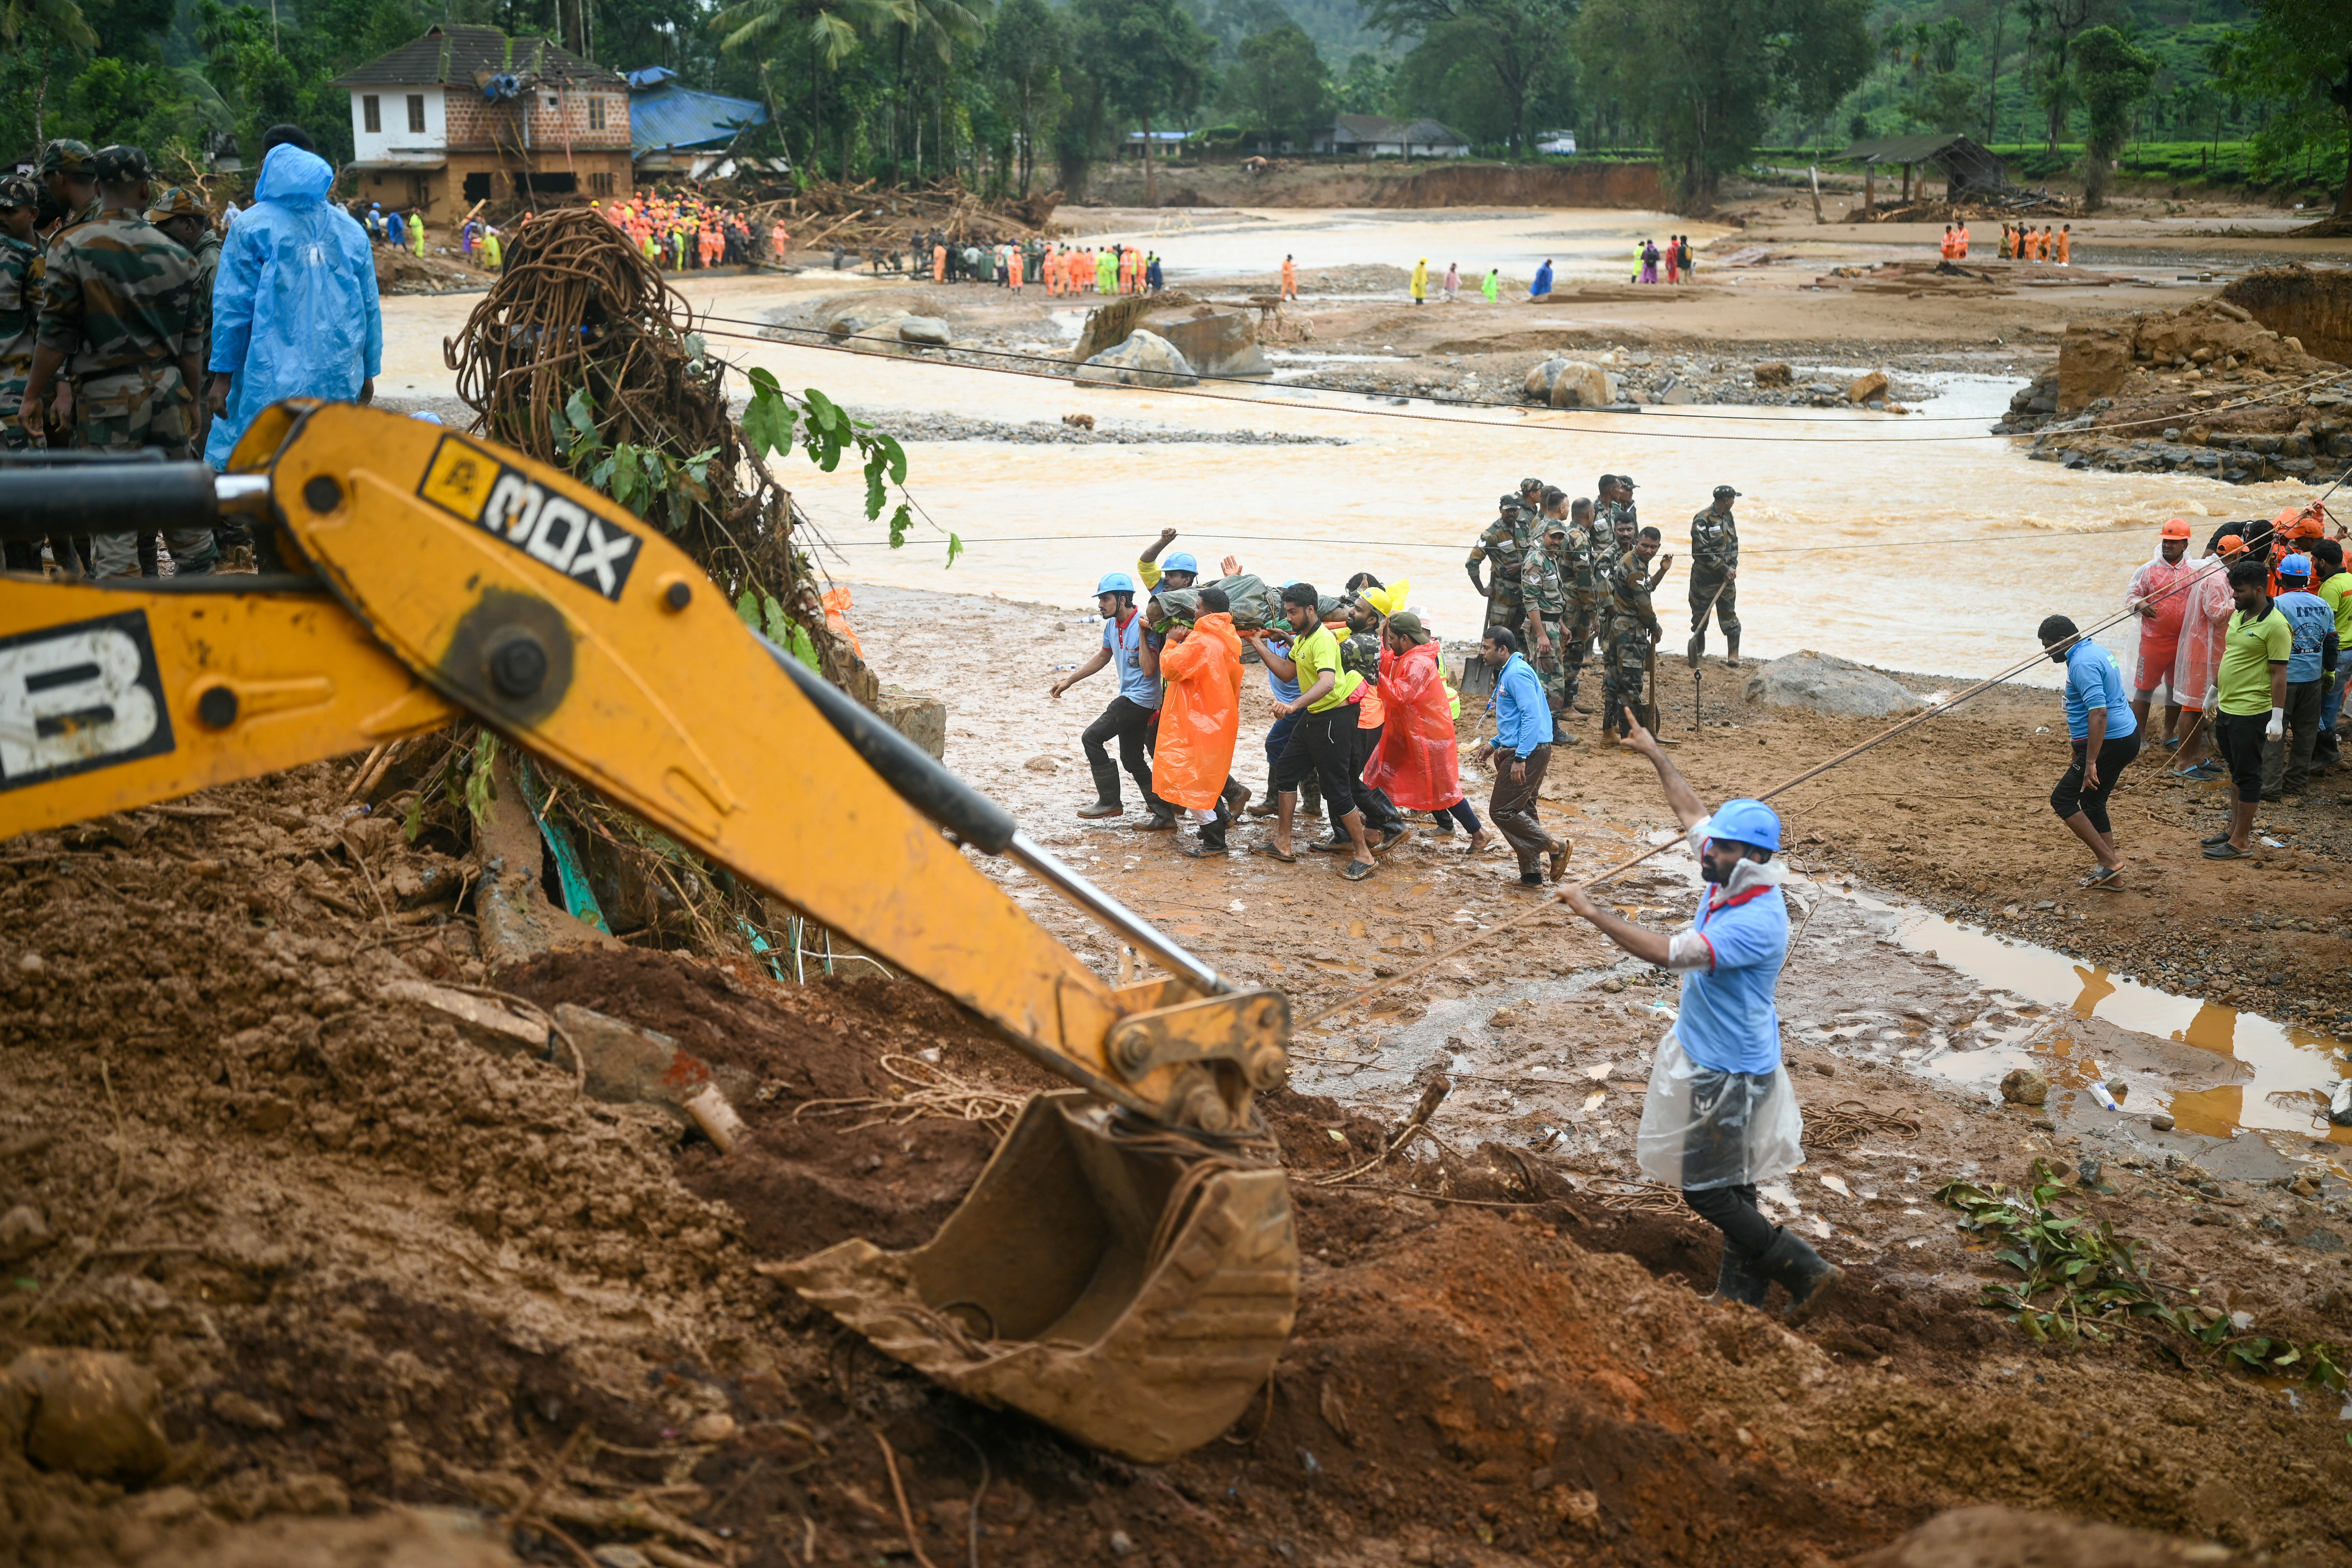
(295,313)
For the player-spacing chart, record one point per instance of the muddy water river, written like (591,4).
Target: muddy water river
(1915,543)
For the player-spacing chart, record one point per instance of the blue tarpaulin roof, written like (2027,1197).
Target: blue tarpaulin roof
(663,115)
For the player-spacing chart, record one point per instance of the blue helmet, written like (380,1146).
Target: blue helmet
(1181,561)
(2295,566)
(1115,583)
(1748,822)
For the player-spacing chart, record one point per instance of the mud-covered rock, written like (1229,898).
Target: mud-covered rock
(2024,1086)
(92,1413)
(1863,388)
(1775,372)
(927,330)
(1828,684)
(1145,359)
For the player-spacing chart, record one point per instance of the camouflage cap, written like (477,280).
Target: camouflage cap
(19,191)
(121,165)
(180,201)
(1525,485)
(68,157)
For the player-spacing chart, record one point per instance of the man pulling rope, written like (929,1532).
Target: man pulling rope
(1720,1116)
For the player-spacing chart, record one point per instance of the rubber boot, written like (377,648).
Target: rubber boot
(1101,808)
(1738,1278)
(1806,1275)
(1731,652)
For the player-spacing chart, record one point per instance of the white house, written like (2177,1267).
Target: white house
(1377,136)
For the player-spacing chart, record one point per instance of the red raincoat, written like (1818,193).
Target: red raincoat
(1200,714)
(1417,761)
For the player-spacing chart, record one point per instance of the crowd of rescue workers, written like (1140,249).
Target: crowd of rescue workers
(1365,710)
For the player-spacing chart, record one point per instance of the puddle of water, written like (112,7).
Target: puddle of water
(2285,1063)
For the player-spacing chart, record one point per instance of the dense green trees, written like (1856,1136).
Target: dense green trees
(2298,53)
(1279,89)
(987,89)
(2112,76)
(1709,72)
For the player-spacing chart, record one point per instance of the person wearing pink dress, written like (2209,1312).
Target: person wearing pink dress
(2204,621)
(2160,595)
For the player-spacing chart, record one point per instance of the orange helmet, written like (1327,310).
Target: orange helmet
(2177,529)
(2232,546)
(2304,526)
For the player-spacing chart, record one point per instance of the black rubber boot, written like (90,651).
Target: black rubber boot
(1796,1268)
(1739,1279)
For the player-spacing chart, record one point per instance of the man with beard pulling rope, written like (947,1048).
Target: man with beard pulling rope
(1720,1116)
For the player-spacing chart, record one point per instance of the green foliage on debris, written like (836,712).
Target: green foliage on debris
(2079,1279)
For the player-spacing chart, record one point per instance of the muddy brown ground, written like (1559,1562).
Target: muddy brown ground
(378,1268)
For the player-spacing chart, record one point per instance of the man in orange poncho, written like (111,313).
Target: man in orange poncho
(1417,761)
(1200,718)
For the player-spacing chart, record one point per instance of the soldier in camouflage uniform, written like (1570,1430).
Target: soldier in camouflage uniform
(1714,575)
(1505,543)
(122,316)
(180,213)
(69,185)
(1544,577)
(1629,636)
(20,286)
(1586,576)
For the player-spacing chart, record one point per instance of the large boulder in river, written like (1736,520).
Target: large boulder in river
(1224,343)
(1582,384)
(929,331)
(868,324)
(1146,359)
(1570,384)
(1828,684)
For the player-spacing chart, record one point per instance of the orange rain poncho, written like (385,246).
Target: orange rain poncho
(1200,714)
(1417,761)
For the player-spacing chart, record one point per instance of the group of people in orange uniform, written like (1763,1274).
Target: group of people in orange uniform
(2024,243)
(682,232)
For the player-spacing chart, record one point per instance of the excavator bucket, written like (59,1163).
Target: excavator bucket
(1120,1282)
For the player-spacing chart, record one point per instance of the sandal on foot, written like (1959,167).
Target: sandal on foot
(1358,869)
(2107,877)
(1272,853)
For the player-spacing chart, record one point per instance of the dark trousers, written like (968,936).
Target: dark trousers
(2286,765)
(2070,796)
(1322,747)
(1459,812)
(1513,809)
(1276,739)
(1733,1211)
(2238,738)
(1130,723)
(1379,813)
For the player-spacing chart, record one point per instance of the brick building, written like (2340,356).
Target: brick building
(465,114)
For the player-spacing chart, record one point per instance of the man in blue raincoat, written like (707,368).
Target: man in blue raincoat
(294,307)
(1541,287)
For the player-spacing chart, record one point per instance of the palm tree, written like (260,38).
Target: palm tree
(831,29)
(50,22)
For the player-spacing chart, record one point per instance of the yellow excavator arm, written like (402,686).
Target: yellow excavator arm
(1125,1269)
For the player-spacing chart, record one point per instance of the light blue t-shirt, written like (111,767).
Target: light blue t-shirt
(1127,657)
(2093,679)
(2312,621)
(1728,1020)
